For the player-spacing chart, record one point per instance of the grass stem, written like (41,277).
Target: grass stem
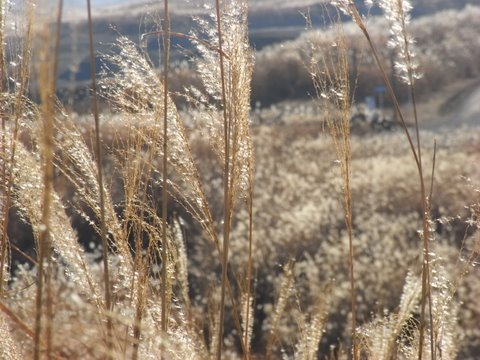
(166,56)
(99,159)
(249,273)
(416,152)
(226,182)
(4,210)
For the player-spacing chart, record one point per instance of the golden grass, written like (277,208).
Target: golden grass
(185,262)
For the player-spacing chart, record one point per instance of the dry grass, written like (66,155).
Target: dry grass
(303,251)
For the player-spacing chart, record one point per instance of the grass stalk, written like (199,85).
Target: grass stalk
(16,320)
(426,294)
(166,55)
(250,195)
(17,113)
(133,225)
(139,313)
(332,83)
(351,255)
(248,279)
(47,79)
(426,283)
(50,154)
(3,77)
(433,347)
(226,183)
(142,267)
(3,69)
(416,152)
(18,109)
(44,246)
(99,158)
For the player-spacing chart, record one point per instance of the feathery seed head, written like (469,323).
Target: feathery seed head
(397,13)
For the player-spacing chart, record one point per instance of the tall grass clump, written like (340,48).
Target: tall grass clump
(12,107)
(226,104)
(397,13)
(229,86)
(133,236)
(330,74)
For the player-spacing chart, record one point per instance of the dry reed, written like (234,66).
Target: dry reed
(140,300)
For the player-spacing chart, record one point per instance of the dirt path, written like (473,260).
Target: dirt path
(462,108)
(456,105)
(469,109)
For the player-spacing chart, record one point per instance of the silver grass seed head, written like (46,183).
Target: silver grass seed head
(397,13)
(345,6)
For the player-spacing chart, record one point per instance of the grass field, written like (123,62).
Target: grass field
(142,229)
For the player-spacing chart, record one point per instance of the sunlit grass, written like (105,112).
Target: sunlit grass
(274,243)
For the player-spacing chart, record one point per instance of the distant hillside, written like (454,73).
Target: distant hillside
(446,48)
(270,22)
